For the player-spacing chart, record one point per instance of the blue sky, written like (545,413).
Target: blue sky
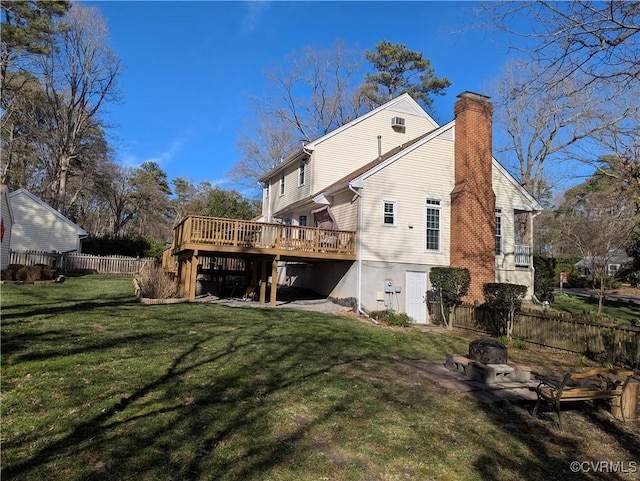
(189,66)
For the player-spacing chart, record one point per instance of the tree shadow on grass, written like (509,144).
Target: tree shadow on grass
(22,312)
(211,419)
(551,452)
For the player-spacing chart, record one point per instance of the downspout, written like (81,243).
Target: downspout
(359,240)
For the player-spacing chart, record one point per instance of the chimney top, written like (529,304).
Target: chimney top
(472,95)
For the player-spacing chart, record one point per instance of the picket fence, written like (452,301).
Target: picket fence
(613,342)
(72,262)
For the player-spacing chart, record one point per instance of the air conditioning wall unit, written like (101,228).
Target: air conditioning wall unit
(397,122)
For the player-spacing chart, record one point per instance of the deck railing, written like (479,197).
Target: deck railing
(522,255)
(249,234)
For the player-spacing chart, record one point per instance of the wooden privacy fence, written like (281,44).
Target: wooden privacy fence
(616,341)
(72,262)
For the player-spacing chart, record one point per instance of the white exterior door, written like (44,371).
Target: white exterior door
(416,296)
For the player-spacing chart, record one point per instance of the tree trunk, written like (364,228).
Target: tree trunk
(63,171)
(9,156)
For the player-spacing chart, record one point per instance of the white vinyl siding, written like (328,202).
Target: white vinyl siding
(37,227)
(292,192)
(341,154)
(507,196)
(345,211)
(424,173)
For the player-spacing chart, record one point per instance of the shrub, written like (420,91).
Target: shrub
(45,272)
(153,283)
(124,246)
(504,300)
(451,284)
(9,274)
(27,274)
(391,318)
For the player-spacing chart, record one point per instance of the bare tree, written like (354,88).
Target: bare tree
(548,125)
(589,54)
(79,78)
(597,40)
(114,187)
(600,219)
(623,144)
(311,94)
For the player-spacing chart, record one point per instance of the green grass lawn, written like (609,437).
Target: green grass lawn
(623,312)
(98,387)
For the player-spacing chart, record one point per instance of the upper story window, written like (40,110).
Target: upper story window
(433,225)
(499,232)
(267,189)
(282,185)
(301,173)
(389,213)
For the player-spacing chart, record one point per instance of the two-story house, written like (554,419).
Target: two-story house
(417,195)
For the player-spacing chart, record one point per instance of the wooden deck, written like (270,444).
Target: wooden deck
(257,242)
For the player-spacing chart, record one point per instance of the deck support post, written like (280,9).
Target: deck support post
(263,281)
(192,274)
(274,280)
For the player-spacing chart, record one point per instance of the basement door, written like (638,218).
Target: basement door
(416,296)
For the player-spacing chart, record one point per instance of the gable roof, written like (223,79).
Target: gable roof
(79,230)
(403,103)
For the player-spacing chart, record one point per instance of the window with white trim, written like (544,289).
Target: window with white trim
(498,232)
(302,220)
(388,212)
(301,173)
(433,225)
(282,185)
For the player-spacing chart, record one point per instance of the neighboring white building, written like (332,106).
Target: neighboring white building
(417,194)
(6,226)
(39,227)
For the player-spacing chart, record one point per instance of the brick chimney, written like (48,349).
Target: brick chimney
(472,199)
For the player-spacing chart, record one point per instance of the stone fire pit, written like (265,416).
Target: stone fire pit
(487,362)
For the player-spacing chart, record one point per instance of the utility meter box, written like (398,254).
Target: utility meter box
(388,286)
